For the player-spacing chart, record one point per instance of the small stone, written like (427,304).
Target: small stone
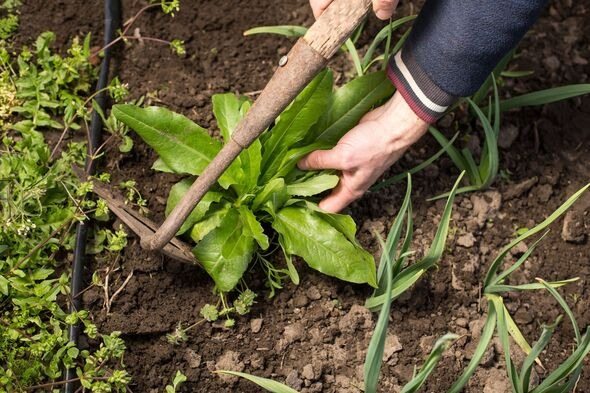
(467,240)
(357,317)
(192,358)
(230,360)
(392,345)
(519,249)
(293,380)
(518,189)
(314,293)
(256,325)
(497,382)
(523,316)
(507,136)
(426,343)
(573,230)
(462,322)
(308,372)
(293,332)
(551,63)
(484,205)
(543,192)
(475,328)
(300,300)
(316,387)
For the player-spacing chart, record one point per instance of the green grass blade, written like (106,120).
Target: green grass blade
(387,48)
(452,151)
(374,357)
(486,336)
(355,56)
(499,288)
(497,110)
(520,261)
(399,287)
(538,228)
(404,252)
(485,87)
(516,334)
(441,345)
(382,35)
(284,30)
(516,74)
(545,96)
(417,168)
(565,307)
(527,364)
(570,366)
(393,238)
(412,273)
(265,383)
(505,340)
(491,145)
(473,172)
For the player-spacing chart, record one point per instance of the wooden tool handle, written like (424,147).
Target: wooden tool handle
(308,56)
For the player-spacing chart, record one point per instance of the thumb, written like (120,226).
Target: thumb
(384,8)
(321,159)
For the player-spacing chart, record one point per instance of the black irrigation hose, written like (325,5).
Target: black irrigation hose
(112,17)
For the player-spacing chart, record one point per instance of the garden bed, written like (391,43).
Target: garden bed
(315,335)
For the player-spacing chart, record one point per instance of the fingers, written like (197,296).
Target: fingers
(319,6)
(384,8)
(322,159)
(338,199)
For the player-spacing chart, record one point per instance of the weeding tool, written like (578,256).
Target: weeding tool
(305,60)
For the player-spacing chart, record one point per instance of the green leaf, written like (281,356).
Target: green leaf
(229,110)
(314,185)
(493,270)
(226,251)
(274,192)
(294,123)
(323,247)
(4,285)
(382,35)
(349,104)
(486,336)
(545,96)
(412,273)
(160,165)
(374,358)
(565,307)
(211,221)
(226,108)
(183,146)
(528,363)
(178,191)
(253,227)
(441,345)
(266,384)
(285,30)
(354,55)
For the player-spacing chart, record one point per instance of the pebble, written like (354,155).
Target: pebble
(507,136)
(300,300)
(314,293)
(293,380)
(192,358)
(392,345)
(462,322)
(518,189)
(256,325)
(467,240)
(573,230)
(308,372)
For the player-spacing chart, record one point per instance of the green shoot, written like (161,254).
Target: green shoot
(265,383)
(406,276)
(179,379)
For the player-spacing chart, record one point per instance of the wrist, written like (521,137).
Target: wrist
(401,123)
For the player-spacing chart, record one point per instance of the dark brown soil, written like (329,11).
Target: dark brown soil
(315,335)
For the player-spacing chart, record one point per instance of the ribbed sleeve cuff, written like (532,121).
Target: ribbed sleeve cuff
(426,99)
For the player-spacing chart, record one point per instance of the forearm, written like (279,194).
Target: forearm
(453,47)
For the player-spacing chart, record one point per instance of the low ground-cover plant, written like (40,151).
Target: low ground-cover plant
(40,201)
(499,319)
(263,189)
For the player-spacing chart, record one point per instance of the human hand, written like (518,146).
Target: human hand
(383,8)
(367,151)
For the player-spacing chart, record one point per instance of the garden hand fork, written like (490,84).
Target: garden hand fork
(308,56)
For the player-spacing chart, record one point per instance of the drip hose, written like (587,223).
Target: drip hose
(112,17)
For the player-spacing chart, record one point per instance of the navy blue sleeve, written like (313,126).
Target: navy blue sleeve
(453,47)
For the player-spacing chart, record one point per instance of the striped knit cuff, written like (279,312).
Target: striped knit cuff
(426,99)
